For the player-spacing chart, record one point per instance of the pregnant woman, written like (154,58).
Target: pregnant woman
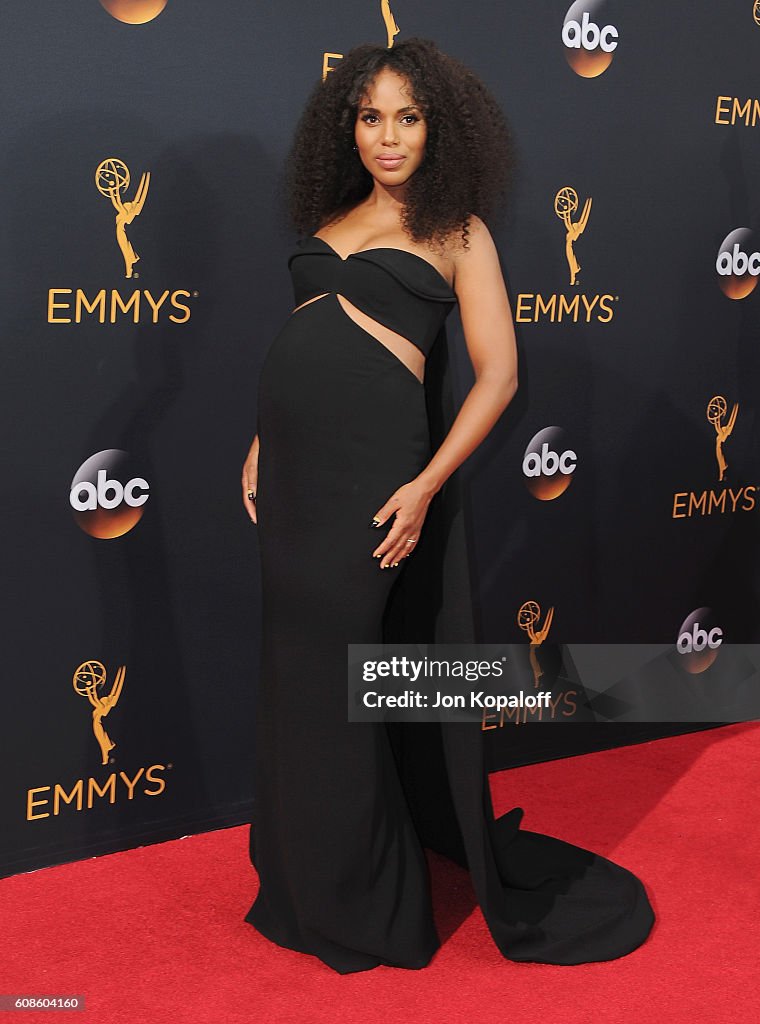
(352,480)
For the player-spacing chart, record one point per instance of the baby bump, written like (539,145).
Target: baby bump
(336,402)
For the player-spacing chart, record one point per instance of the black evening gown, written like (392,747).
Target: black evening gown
(343,810)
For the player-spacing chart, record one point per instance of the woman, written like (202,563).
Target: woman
(352,481)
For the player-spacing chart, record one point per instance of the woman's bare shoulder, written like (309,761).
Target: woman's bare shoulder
(472,249)
(477,236)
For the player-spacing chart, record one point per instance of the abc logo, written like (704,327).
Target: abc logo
(106,496)
(698,640)
(548,464)
(737,264)
(589,44)
(134,12)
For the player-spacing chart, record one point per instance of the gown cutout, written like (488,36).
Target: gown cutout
(343,810)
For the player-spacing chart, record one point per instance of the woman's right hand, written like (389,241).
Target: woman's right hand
(251,479)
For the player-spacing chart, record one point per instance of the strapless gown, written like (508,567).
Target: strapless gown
(344,810)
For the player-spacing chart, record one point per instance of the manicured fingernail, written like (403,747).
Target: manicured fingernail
(375,522)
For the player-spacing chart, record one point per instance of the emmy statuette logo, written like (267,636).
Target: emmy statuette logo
(562,702)
(391,28)
(111,179)
(733,110)
(716,411)
(528,616)
(134,12)
(90,681)
(391,31)
(578,307)
(107,305)
(116,785)
(565,205)
(727,499)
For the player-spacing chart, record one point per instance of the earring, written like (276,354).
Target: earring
(355,146)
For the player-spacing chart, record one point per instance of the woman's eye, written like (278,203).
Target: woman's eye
(366,117)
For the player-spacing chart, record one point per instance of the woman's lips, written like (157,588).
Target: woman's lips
(388,161)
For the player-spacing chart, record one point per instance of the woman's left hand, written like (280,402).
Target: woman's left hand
(410,503)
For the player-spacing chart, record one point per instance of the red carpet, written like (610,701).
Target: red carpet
(157,934)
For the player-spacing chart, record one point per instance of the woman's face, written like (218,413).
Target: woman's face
(390,130)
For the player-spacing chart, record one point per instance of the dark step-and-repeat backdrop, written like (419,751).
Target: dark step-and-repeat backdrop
(144,275)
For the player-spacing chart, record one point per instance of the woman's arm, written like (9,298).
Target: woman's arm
(490,338)
(251,478)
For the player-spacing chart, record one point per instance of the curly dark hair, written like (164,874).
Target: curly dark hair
(468,157)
